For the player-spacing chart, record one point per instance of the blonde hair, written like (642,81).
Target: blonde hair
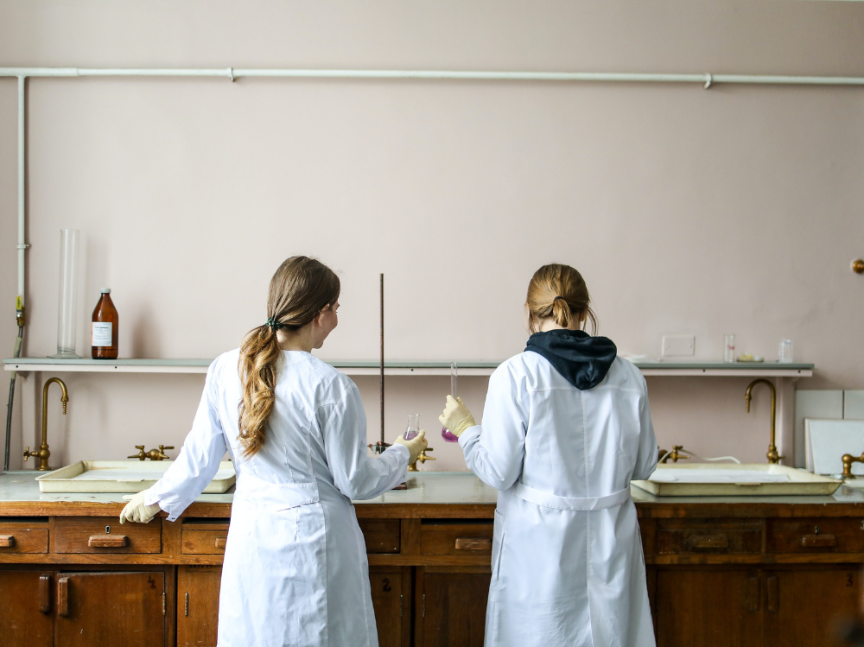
(299,291)
(559,291)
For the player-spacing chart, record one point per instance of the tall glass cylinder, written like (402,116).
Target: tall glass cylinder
(68,304)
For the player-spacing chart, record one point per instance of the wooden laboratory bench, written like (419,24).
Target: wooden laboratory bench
(747,571)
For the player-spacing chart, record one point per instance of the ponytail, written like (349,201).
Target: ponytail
(299,290)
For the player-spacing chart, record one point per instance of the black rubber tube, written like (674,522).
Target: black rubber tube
(11,400)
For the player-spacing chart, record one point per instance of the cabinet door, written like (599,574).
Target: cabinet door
(26,613)
(391,598)
(451,606)
(802,603)
(107,609)
(708,608)
(198,605)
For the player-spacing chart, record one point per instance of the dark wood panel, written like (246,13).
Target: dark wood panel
(391,598)
(110,608)
(452,608)
(23,538)
(73,535)
(679,537)
(381,535)
(26,609)
(198,605)
(708,608)
(815,535)
(801,605)
(456,539)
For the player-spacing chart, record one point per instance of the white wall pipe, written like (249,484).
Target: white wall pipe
(22,73)
(606,77)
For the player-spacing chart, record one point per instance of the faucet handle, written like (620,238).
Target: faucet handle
(140,455)
(162,449)
(27,454)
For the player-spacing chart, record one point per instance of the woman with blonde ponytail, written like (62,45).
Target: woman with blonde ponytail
(565,428)
(295,569)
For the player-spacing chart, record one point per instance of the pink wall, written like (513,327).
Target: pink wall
(688,211)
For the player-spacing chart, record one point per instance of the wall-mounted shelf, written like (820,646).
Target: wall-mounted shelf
(694,369)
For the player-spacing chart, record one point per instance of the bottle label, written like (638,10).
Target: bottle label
(102,333)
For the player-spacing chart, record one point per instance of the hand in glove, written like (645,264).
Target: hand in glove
(136,511)
(415,445)
(456,416)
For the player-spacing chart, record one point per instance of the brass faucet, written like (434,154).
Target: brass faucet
(153,454)
(848,459)
(422,457)
(43,452)
(676,454)
(772,455)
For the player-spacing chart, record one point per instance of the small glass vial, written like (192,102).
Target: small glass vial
(104,328)
(729,348)
(413,426)
(784,356)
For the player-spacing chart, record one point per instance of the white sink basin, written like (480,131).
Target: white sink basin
(707,479)
(122,476)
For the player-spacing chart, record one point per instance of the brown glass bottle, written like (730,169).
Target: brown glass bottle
(103,332)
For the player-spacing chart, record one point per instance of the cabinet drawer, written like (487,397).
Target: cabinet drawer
(204,541)
(448,538)
(816,536)
(381,535)
(23,538)
(708,537)
(106,535)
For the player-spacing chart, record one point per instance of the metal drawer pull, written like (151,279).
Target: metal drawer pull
(7,541)
(818,541)
(107,541)
(709,541)
(63,596)
(220,542)
(465,543)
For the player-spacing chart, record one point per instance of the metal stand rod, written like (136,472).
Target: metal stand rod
(382,358)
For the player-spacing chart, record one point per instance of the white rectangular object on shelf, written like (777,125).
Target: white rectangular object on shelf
(123,476)
(827,440)
(706,479)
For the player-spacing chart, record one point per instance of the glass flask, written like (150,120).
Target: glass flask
(446,434)
(413,426)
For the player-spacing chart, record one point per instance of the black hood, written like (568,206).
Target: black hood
(581,359)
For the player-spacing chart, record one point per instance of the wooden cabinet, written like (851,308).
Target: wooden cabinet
(102,609)
(801,604)
(198,605)
(391,598)
(26,614)
(451,606)
(708,607)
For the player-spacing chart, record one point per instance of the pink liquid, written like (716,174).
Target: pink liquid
(447,435)
(410,434)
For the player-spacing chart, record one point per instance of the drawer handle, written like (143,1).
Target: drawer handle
(7,541)
(818,541)
(220,542)
(107,541)
(465,543)
(709,541)
(45,594)
(63,596)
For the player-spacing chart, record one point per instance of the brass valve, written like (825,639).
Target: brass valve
(422,457)
(153,454)
(848,459)
(675,454)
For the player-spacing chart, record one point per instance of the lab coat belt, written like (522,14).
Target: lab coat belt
(549,500)
(276,496)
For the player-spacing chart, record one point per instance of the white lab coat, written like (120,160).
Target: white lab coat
(295,569)
(567,563)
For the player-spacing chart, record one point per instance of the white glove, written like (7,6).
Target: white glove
(415,445)
(136,511)
(456,416)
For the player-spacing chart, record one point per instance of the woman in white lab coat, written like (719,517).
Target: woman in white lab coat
(295,569)
(565,428)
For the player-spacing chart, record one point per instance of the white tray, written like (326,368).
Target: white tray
(122,476)
(705,479)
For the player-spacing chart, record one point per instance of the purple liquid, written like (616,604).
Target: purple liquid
(447,435)
(410,434)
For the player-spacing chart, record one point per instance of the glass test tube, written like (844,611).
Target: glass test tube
(68,303)
(446,434)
